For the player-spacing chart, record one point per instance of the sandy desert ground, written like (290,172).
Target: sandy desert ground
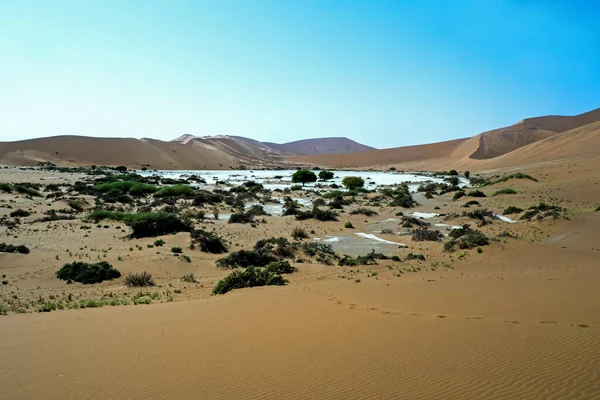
(517,321)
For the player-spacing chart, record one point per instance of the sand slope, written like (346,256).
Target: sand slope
(81,150)
(332,145)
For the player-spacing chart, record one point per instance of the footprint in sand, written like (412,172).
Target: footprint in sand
(441,316)
(548,322)
(583,326)
(474,318)
(372,309)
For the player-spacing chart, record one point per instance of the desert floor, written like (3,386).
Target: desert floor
(520,320)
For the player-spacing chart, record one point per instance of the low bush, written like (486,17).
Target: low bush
(364,211)
(512,210)
(348,225)
(189,278)
(159,242)
(318,214)
(476,193)
(176,250)
(466,238)
(411,256)
(424,234)
(20,213)
(87,273)
(5,187)
(315,248)
(543,210)
(368,259)
(505,191)
(505,178)
(299,233)
(250,277)
(279,247)
(134,188)
(176,191)
(403,200)
(209,242)
(144,224)
(27,190)
(139,279)
(471,203)
(409,222)
(247,258)
(256,210)
(280,267)
(458,195)
(241,218)
(10,248)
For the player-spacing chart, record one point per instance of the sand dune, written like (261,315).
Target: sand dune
(331,145)
(80,150)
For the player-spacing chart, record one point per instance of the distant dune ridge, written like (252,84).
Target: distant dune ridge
(537,139)
(332,145)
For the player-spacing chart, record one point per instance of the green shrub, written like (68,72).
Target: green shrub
(176,191)
(20,213)
(241,218)
(543,210)
(332,194)
(424,234)
(471,203)
(348,225)
(159,242)
(87,273)
(6,187)
(139,279)
(9,248)
(476,193)
(403,200)
(144,224)
(27,190)
(299,233)
(512,210)
(209,242)
(247,258)
(368,259)
(189,278)
(280,267)
(250,277)
(466,238)
(364,211)
(176,250)
(315,248)
(134,188)
(256,210)
(411,256)
(325,175)
(353,182)
(458,195)
(505,178)
(504,191)
(318,214)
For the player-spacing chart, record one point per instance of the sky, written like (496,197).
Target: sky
(383,73)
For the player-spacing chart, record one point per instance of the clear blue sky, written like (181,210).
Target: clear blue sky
(385,73)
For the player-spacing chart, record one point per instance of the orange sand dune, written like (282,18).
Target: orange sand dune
(80,150)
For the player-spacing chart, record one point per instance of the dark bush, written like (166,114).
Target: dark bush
(368,259)
(241,218)
(325,175)
(542,211)
(466,238)
(315,248)
(10,248)
(247,258)
(411,256)
(476,193)
(458,195)
(144,224)
(250,277)
(256,210)
(209,242)
(87,273)
(23,189)
(424,234)
(364,211)
(471,203)
(408,222)
(176,250)
(318,214)
(20,213)
(280,267)
(139,279)
(512,210)
(299,234)
(403,200)
(279,247)
(176,191)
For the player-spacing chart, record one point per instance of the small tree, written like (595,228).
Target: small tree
(325,175)
(353,182)
(304,176)
(467,174)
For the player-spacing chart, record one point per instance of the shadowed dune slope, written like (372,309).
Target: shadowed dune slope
(81,150)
